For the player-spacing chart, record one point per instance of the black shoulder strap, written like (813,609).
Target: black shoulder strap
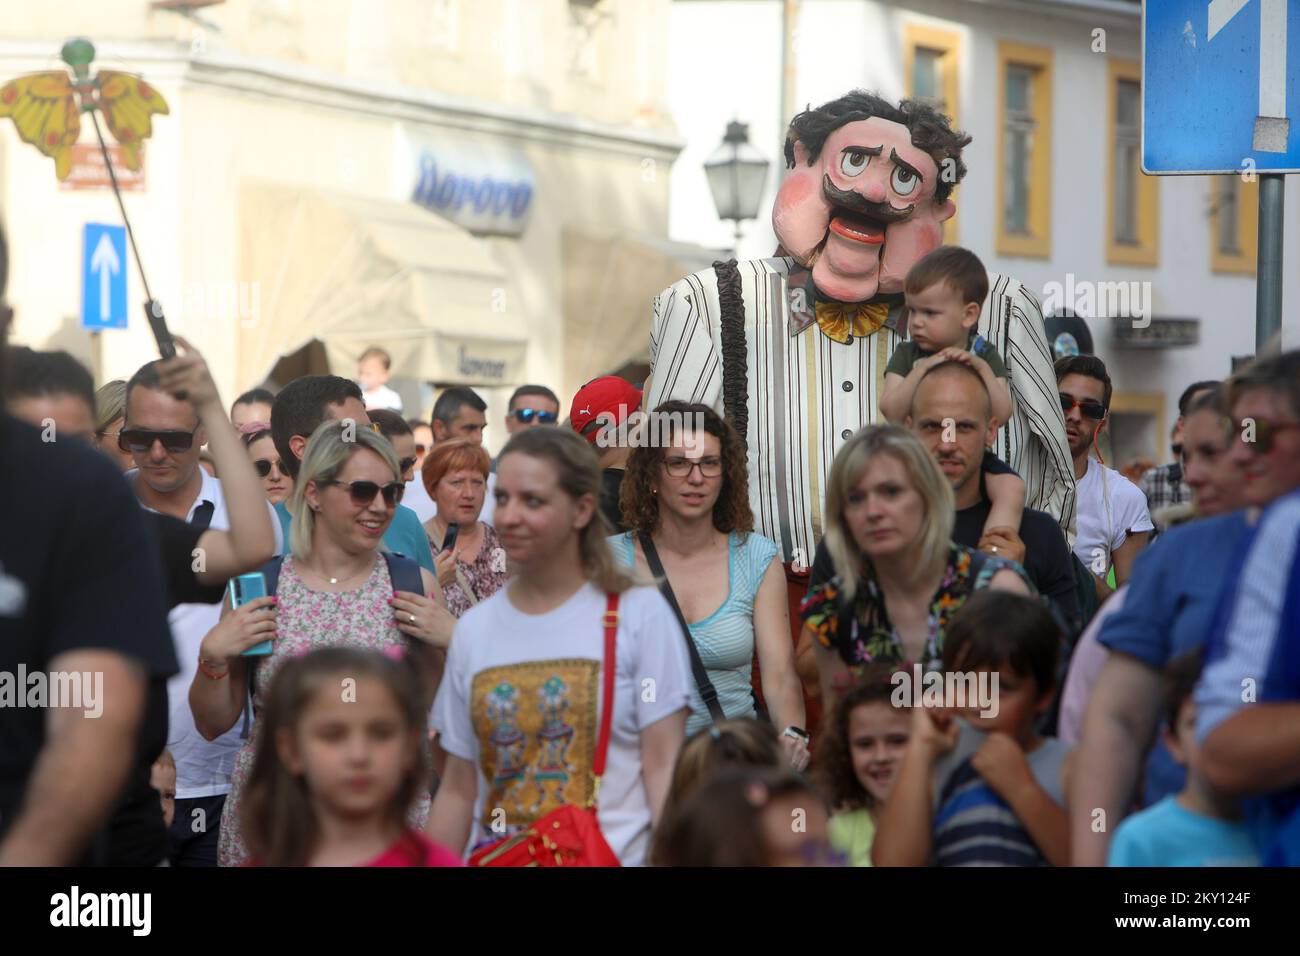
(404,573)
(735,354)
(202,516)
(707,692)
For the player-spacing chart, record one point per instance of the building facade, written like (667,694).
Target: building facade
(452,180)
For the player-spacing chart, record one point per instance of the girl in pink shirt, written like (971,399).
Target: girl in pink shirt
(339,763)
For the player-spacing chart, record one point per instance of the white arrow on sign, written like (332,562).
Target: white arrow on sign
(104,260)
(1271,125)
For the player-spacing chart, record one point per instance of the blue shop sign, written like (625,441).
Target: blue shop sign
(490,193)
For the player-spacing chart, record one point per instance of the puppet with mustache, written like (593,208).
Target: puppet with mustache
(792,350)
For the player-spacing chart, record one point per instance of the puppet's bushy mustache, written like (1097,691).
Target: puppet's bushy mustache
(854,202)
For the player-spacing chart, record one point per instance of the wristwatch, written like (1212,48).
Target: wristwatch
(798,733)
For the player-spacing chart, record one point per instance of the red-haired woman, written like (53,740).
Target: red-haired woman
(455,475)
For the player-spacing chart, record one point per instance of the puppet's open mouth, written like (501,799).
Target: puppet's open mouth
(857,228)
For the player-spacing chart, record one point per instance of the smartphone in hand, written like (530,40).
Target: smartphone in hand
(245,588)
(453,532)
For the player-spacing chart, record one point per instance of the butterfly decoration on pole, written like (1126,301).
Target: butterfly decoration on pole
(46,108)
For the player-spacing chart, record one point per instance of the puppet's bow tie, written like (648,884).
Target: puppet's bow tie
(840,320)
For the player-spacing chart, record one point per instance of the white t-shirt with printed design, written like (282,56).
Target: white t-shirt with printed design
(520,699)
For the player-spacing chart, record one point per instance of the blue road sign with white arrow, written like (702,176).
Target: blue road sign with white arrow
(1220,79)
(103,277)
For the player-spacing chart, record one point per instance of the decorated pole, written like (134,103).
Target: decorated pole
(46,109)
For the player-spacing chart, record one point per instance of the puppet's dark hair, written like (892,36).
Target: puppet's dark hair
(931,130)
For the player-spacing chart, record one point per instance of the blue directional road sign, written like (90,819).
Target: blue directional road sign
(103,277)
(1220,79)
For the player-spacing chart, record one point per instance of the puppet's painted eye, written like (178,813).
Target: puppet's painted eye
(854,162)
(904,181)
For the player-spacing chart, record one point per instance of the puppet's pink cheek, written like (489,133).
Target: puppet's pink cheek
(905,243)
(800,214)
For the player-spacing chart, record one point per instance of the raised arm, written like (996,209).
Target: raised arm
(250,542)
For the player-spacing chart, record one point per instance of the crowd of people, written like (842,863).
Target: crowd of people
(444,649)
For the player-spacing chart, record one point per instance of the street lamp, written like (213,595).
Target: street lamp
(737,173)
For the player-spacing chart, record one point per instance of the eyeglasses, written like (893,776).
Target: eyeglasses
(525,416)
(264,466)
(363,492)
(681,467)
(140,440)
(1094,410)
(1261,431)
(405,464)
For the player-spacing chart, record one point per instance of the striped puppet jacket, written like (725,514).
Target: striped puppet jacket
(797,395)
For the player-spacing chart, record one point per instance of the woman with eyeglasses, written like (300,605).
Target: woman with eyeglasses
(472,567)
(686,499)
(276,481)
(334,589)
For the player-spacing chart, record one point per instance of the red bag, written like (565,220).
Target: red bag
(568,835)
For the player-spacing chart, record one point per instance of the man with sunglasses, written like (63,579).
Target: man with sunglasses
(300,408)
(530,406)
(164,434)
(1248,698)
(1113,521)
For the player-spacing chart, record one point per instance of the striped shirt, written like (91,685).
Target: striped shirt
(807,394)
(724,639)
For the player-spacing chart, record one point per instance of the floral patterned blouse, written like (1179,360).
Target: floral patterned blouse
(484,575)
(864,635)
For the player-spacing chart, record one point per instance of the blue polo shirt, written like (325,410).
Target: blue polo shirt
(404,536)
(1172,595)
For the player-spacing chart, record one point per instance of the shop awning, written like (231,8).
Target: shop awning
(610,281)
(353,272)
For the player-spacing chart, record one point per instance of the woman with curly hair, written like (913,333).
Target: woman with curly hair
(858,758)
(686,497)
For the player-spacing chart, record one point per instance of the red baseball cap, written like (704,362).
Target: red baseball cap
(609,395)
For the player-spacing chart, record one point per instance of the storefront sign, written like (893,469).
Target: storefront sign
(1159,334)
(486,189)
(89,171)
(483,362)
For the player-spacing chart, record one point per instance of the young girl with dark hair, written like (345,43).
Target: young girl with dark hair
(858,757)
(339,764)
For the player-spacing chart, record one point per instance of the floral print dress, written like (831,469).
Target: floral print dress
(307,620)
(863,634)
(483,576)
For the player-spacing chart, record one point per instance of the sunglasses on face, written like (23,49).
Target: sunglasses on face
(681,467)
(525,416)
(264,466)
(1094,410)
(405,465)
(140,440)
(363,492)
(1258,434)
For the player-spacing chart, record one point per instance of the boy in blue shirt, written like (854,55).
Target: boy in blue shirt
(1197,827)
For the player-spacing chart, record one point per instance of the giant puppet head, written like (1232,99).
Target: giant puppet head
(867,193)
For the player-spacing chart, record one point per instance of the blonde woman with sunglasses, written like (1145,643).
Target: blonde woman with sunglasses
(335,589)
